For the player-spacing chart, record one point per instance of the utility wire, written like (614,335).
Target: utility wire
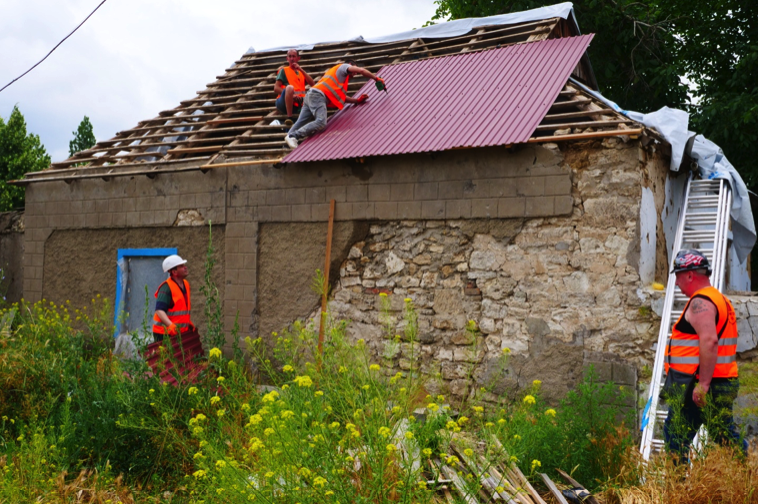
(54,48)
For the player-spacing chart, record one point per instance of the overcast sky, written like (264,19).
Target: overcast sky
(134,58)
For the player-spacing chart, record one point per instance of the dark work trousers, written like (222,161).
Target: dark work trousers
(716,415)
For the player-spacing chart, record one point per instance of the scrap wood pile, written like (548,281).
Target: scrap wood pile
(466,473)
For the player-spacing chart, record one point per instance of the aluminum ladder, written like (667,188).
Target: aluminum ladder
(703,225)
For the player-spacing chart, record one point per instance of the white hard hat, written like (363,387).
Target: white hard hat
(172,262)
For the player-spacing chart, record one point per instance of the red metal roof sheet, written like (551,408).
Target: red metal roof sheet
(487,98)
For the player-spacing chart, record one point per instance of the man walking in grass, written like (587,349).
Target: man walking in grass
(703,345)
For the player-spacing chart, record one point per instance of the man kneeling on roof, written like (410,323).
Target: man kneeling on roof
(172,308)
(330,91)
(290,86)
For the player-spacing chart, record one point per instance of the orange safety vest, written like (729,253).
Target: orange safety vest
(297,79)
(330,86)
(683,351)
(179,313)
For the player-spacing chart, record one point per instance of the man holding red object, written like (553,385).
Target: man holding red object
(172,308)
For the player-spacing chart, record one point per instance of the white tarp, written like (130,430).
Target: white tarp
(453,28)
(712,164)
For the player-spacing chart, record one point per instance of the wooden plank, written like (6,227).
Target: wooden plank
(458,483)
(325,294)
(525,483)
(553,489)
(251,162)
(279,152)
(585,124)
(189,150)
(591,499)
(582,113)
(113,171)
(585,136)
(570,103)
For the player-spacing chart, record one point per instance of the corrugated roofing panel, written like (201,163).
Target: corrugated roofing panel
(487,98)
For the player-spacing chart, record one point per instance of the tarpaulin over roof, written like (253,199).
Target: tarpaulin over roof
(456,27)
(494,97)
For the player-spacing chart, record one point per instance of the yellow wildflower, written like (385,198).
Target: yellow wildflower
(374,367)
(383,294)
(270,397)
(391,448)
(220,464)
(199,474)
(220,379)
(535,464)
(427,452)
(214,353)
(319,393)
(408,435)
(536,383)
(468,452)
(192,391)
(384,432)
(303,381)
(432,406)
(221,413)
(550,412)
(462,420)
(529,400)
(215,399)
(343,369)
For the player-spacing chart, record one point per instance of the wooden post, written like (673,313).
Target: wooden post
(326,282)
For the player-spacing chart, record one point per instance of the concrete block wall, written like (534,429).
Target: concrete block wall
(471,184)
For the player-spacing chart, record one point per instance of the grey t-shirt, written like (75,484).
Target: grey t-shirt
(341,76)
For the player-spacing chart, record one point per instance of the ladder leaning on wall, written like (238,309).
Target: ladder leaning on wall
(703,225)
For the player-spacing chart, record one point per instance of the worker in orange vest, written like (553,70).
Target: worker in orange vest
(703,345)
(172,306)
(331,92)
(290,86)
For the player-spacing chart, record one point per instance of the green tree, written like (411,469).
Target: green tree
(20,153)
(84,137)
(699,55)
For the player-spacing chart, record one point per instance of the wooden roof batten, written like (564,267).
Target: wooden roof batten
(229,122)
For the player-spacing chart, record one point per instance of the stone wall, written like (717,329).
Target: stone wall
(559,293)
(11,256)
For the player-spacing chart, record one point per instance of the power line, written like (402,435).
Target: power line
(54,48)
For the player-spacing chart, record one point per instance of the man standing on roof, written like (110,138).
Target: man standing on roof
(290,86)
(330,91)
(703,344)
(172,308)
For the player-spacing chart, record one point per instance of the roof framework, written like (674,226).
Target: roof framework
(229,122)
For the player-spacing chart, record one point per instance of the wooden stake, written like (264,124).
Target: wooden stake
(326,282)
(553,489)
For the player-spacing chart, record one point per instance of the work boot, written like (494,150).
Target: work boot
(291,141)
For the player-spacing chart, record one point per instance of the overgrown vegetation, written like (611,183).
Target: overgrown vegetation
(79,425)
